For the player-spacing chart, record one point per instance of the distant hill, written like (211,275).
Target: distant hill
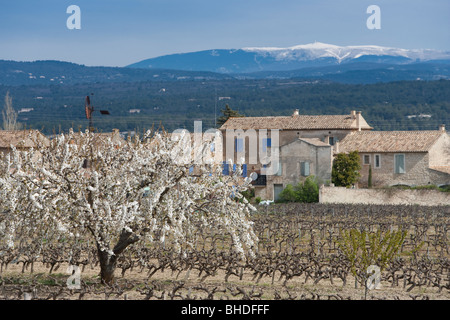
(51,72)
(362,72)
(351,64)
(403,105)
(312,60)
(395,89)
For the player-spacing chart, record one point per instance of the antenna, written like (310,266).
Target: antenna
(89,110)
(215,108)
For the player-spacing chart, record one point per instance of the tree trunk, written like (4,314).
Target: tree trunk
(108,261)
(107,266)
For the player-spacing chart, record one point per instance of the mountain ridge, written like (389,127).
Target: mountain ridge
(257,59)
(316,61)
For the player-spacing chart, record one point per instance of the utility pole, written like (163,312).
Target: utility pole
(215,108)
(89,110)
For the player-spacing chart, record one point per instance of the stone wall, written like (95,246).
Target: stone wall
(417,171)
(440,152)
(383,196)
(318,157)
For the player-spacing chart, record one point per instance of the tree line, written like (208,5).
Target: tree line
(403,105)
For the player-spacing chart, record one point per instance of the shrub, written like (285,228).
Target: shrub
(307,192)
(288,194)
(345,171)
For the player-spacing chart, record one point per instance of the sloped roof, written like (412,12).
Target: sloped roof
(315,142)
(296,122)
(100,138)
(21,138)
(390,141)
(445,169)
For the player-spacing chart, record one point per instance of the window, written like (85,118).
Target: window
(399,163)
(226,169)
(239,145)
(377,161)
(331,141)
(244,170)
(267,143)
(304,169)
(366,159)
(277,189)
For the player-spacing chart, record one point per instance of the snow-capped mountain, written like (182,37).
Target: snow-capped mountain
(319,50)
(256,59)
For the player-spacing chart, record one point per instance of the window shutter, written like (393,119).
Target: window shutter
(226,170)
(400,163)
(267,143)
(304,169)
(244,170)
(377,161)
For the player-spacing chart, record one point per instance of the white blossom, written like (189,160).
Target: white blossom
(137,187)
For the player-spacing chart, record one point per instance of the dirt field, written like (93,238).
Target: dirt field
(135,285)
(303,242)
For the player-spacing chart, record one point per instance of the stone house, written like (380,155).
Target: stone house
(21,139)
(298,160)
(410,158)
(295,139)
(99,141)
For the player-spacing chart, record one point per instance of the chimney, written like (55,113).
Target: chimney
(296,113)
(442,128)
(358,120)
(353,114)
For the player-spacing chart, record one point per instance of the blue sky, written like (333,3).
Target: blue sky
(121,32)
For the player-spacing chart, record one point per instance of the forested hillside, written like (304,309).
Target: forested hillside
(404,105)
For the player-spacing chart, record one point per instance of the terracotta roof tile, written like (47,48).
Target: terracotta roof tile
(300,122)
(389,141)
(21,138)
(100,138)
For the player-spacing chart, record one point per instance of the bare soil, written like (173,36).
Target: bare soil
(135,284)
